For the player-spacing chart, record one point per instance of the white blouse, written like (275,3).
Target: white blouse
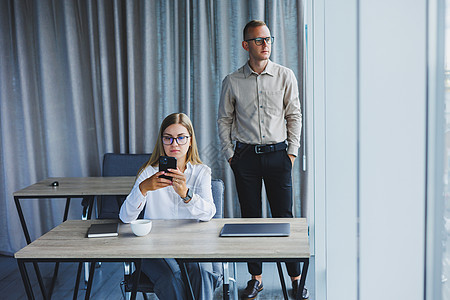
(165,203)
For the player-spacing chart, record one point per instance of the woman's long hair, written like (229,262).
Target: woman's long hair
(192,155)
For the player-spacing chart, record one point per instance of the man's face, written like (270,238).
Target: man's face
(256,52)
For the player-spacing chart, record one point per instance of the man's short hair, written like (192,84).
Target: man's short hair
(252,23)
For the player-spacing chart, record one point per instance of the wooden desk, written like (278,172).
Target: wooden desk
(70,187)
(183,239)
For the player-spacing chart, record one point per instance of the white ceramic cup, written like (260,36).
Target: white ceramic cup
(141,227)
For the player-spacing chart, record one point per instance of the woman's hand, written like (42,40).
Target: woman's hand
(154,183)
(178,182)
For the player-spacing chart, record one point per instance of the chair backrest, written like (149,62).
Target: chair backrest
(123,164)
(118,165)
(218,189)
(128,165)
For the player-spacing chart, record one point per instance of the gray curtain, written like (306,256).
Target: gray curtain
(82,78)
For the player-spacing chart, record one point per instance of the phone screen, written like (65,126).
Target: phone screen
(165,163)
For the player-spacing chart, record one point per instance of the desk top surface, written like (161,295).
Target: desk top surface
(79,186)
(169,239)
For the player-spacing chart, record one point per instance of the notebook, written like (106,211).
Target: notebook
(103,230)
(256,229)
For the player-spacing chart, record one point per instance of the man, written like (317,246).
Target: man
(260,110)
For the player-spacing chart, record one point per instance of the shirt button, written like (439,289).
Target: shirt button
(261,106)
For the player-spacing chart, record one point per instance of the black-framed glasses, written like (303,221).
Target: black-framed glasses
(181,140)
(259,41)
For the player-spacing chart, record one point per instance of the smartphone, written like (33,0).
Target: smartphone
(165,163)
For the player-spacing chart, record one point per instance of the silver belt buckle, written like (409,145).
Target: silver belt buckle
(257,151)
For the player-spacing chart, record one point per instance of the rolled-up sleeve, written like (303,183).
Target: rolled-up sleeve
(293,114)
(226,118)
(134,203)
(202,205)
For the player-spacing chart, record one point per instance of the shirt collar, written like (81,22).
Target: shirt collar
(268,70)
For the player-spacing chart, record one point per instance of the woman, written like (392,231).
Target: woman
(187,196)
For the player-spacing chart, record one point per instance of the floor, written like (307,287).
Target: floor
(446,255)
(109,276)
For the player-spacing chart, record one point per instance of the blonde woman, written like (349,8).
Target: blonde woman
(187,196)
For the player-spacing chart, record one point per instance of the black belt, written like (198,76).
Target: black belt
(260,149)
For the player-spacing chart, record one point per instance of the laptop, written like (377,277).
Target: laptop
(256,229)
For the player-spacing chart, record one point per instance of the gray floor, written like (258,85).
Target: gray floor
(108,277)
(446,254)
(271,281)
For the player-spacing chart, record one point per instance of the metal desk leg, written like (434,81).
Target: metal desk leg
(138,265)
(186,276)
(303,278)
(22,220)
(39,278)
(91,207)
(87,203)
(283,284)
(66,209)
(55,271)
(77,281)
(28,240)
(25,279)
(52,285)
(91,279)
(226,281)
(235,287)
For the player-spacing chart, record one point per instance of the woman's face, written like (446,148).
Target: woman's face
(179,135)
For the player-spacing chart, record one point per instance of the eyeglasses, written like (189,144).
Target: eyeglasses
(181,140)
(259,41)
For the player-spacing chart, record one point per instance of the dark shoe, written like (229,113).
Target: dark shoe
(252,289)
(295,290)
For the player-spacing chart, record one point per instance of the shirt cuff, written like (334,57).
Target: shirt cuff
(292,150)
(229,153)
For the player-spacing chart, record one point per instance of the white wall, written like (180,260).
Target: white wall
(370,116)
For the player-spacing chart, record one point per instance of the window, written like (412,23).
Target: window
(446,232)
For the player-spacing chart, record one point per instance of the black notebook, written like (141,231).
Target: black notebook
(256,229)
(103,230)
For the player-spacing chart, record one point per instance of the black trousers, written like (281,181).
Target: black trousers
(250,169)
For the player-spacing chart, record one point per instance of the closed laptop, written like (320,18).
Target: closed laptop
(256,229)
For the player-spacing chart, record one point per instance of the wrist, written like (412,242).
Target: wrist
(188,196)
(142,189)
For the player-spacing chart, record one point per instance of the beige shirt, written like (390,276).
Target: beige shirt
(260,109)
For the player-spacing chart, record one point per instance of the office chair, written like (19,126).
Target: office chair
(146,286)
(108,207)
(116,165)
